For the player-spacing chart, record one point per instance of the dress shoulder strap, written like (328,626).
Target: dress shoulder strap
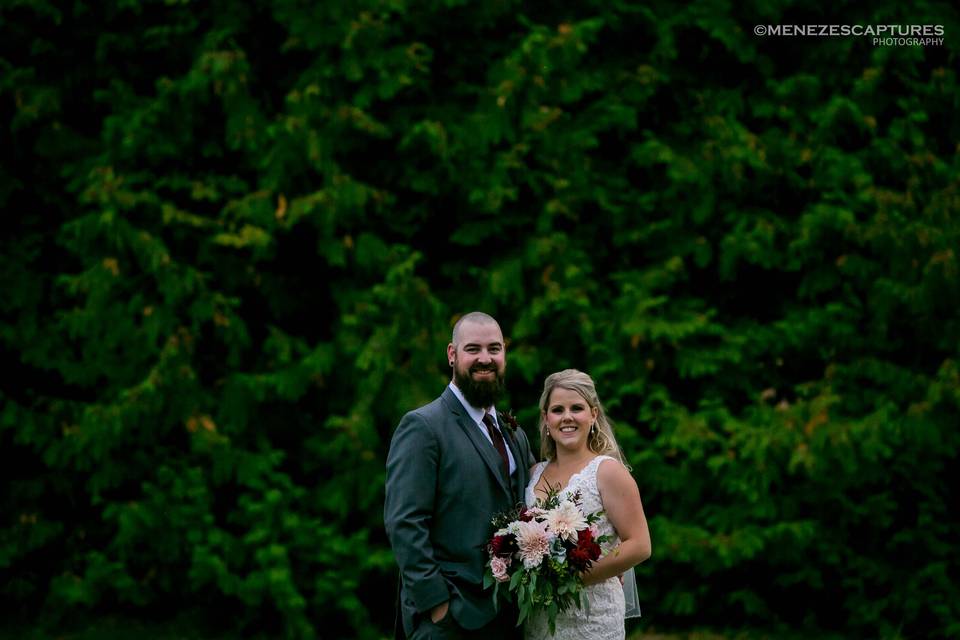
(538,471)
(595,464)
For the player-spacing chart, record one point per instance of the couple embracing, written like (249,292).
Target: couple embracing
(456,462)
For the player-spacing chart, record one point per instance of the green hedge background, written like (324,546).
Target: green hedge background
(238,234)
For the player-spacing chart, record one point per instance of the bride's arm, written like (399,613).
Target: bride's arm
(621,502)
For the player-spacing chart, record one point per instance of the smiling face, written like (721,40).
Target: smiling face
(568,417)
(479,362)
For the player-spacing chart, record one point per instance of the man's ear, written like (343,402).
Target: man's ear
(451,351)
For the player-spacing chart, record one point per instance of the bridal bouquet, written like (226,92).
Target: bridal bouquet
(538,554)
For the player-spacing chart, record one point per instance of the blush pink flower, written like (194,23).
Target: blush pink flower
(565,520)
(499,566)
(534,541)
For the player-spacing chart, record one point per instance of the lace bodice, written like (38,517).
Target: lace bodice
(602,617)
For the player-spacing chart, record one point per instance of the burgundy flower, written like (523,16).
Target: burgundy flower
(525,515)
(586,546)
(508,422)
(594,550)
(584,536)
(503,545)
(579,559)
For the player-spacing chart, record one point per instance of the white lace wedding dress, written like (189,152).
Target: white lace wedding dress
(601,618)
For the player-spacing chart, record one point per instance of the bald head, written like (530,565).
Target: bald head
(474,317)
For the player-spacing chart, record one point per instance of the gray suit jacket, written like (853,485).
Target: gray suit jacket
(444,483)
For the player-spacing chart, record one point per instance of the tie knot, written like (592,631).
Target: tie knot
(488,420)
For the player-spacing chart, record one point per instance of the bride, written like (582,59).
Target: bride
(581,454)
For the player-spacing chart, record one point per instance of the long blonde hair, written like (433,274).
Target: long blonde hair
(601,440)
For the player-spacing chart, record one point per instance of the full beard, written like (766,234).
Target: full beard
(479,393)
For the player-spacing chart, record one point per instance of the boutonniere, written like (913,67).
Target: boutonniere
(508,421)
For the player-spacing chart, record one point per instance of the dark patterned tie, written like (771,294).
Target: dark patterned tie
(498,443)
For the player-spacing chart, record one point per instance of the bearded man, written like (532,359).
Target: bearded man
(452,465)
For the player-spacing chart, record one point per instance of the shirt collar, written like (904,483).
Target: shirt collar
(472,411)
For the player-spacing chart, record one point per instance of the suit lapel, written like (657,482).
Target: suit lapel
(486,451)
